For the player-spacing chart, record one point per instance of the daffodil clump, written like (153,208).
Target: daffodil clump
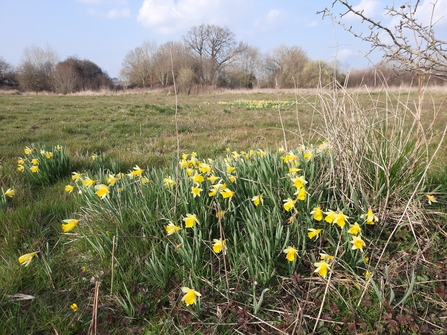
(257,209)
(42,166)
(258,104)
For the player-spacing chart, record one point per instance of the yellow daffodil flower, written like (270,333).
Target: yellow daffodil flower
(230,169)
(27,258)
(340,219)
(10,192)
(212,179)
(322,268)
(291,253)
(227,193)
(20,161)
(367,275)
(357,243)
(34,169)
(172,228)
(102,190)
(190,296)
(145,180)
(325,257)
(317,213)
(430,198)
(301,194)
(219,245)
(220,214)
(48,155)
(169,183)
(87,182)
(190,220)
(369,217)
(198,179)
(299,182)
(69,225)
(74,307)
(69,188)
(330,216)
(76,176)
(204,167)
(289,204)
(354,229)
(313,232)
(111,180)
(257,200)
(196,191)
(137,171)
(35,161)
(21,168)
(28,151)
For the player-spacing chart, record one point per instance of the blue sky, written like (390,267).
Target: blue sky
(104,31)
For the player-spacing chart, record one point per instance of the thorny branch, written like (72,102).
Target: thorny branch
(409,45)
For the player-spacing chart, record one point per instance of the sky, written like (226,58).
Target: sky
(104,31)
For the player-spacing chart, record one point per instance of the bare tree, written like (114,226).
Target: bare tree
(65,78)
(284,65)
(214,47)
(36,67)
(409,44)
(7,73)
(139,64)
(243,70)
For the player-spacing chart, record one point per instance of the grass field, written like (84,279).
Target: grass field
(229,213)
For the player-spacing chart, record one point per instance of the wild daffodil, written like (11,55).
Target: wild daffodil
(430,198)
(369,217)
(190,220)
(357,243)
(289,204)
(169,183)
(257,200)
(197,178)
(340,219)
(172,228)
(76,176)
(190,296)
(28,151)
(204,167)
(212,179)
(87,182)
(27,258)
(102,190)
(48,154)
(69,188)
(330,216)
(301,194)
(219,245)
(291,253)
(299,182)
(227,193)
(35,161)
(69,225)
(322,268)
(367,275)
(10,192)
(312,232)
(111,179)
(21,168)
(196,191)
(325,257)
(74,307)
(354,229)
(317,213)
(34,168)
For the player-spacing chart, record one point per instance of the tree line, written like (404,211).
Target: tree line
(207,56)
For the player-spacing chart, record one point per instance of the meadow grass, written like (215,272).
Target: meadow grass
(320,212)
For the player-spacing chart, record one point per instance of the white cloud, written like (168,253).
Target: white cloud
(274,19)
(367,7)
(169,16)
(343,54)
(314,23)
(115,13)
(427,12)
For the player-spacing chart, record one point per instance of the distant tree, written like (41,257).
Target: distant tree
(138,64)
(317,73)
(74,75)
(243,70)
(214,48)
(35,68)
(283,66)
(185,80)
(164,67)
(7,74)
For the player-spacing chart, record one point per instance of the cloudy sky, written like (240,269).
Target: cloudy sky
(104,31)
